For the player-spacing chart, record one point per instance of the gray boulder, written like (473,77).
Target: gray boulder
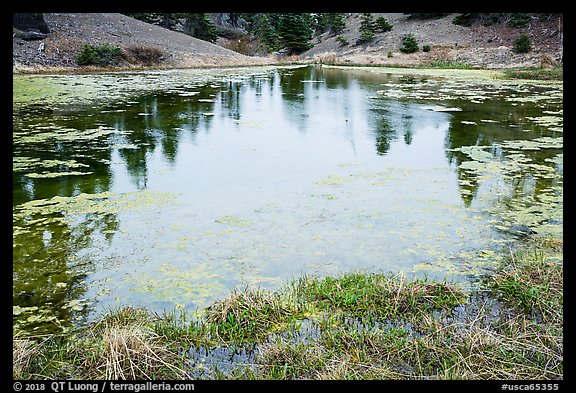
(30,35)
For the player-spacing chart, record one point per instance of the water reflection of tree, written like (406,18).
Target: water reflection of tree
(149,121)
(335,78)
(27,188)
(160,120)
(490,124)
(46,273)
(47,270)
(230,98)
(385,133)
(407,126)
(292,85)
(43,253)
(388,123)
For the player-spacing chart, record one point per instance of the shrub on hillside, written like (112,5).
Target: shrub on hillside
(522,44)
(381,24)
(342,40)
(519,19)
(492,18)
(101,55)
(464,19)
(409,44)
(147,55)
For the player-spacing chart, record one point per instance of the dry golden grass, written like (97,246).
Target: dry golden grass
(146,55)
(128,349)
(23,350)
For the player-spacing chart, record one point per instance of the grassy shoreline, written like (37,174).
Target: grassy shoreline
(355,326)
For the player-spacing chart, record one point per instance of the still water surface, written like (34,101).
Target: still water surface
(169,188)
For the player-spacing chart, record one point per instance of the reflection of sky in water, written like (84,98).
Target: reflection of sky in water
(275,177)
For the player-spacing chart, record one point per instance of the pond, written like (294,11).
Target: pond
(167,189)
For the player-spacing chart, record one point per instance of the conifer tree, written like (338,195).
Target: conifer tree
(366,29)
(201,26)
(409,44)
(331,22)
(168,20)
(295,32)
(522,44)
(267,32)
(382,24)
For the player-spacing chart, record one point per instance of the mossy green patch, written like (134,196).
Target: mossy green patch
(379,296)
(544,142)
(62,134)
(22,164)
(334,180)
(178,286)
(234,221)
(329,197)
(541,210)
(48,175)
(61,209)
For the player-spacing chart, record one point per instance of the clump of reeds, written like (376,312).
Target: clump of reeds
(120,346)
(146,55)
(248,314)
(125,347)
(380,296)
(532,283)
(23,351)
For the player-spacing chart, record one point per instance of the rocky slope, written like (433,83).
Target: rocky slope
(71,31)
(478,45)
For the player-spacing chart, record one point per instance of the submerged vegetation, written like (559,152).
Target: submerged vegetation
(450,64)
(554,73)
(355,326)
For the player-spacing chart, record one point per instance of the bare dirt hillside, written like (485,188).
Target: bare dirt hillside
(479,45)
(71,31)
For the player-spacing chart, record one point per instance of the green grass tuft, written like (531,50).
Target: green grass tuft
(379,296)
